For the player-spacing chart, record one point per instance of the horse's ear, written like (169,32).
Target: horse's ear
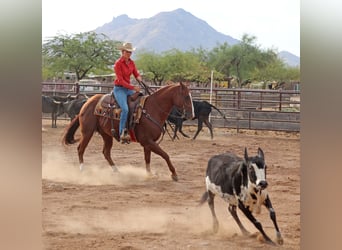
(169,82)
(182,84)
(187,84)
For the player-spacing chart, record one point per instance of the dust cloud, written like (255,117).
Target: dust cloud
(55,168)
(195,220)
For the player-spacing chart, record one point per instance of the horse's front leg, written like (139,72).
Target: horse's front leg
(154,147)
(147,152)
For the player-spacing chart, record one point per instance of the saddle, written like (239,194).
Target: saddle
(108,107)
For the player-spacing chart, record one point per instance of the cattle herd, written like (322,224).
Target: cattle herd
(59,105)
(240,181)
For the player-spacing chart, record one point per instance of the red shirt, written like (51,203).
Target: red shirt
(123,72)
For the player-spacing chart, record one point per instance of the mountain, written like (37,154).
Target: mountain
(164,31)
(174,29)
(289,59)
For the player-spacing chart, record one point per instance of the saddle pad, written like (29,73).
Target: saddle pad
(105,106)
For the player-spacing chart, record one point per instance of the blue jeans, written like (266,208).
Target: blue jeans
(120,94)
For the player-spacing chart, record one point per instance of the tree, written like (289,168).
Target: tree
(221,58)
(153,66)
(80,53)
(171,65)
(240,60)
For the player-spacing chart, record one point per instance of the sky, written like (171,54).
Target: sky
(274,23)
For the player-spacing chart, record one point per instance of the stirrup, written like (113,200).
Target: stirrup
(125,138)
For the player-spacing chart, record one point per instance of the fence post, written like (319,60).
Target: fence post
(261,99)
(249,119)
(239,116)
(77,88)
(239,100)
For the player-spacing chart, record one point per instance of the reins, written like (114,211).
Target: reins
(149,90)
(147,115)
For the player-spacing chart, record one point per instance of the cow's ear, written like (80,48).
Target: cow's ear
(260,153)
(246,154)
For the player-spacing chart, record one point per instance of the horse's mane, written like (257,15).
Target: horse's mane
(169,86)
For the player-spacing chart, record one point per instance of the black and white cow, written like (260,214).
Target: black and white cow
(242,183)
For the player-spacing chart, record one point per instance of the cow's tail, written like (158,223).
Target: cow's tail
(68,137)
(204,198)
(223,115)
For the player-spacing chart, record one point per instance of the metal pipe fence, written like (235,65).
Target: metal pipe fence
(256,109)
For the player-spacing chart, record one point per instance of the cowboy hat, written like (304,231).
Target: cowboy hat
(126,46)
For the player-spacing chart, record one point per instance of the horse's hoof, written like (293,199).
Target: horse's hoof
(150,176)
(115,169)
(215,227)
(174,177)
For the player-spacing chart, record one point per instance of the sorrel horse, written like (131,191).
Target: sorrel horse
(156,109)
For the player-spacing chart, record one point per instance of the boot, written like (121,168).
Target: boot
(125,138)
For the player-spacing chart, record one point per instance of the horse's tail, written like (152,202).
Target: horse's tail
(223,115)
(68,137)
(204,198)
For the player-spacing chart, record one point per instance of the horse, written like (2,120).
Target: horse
(56,108)
(202,111)
(147,131)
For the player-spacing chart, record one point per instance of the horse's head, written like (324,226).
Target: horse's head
(183,102)
(256,169)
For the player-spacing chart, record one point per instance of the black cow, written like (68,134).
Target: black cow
(59,98)
(69,97)
(72,108)
(202,110)
(242,183)
(49,105)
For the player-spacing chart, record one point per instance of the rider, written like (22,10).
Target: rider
(124,67)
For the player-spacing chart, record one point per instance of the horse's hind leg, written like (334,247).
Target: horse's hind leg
(107,146)
(82,146)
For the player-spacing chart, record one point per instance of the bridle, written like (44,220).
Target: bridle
(148,116)
(182,113)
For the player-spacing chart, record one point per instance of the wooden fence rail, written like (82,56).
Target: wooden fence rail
(256,109)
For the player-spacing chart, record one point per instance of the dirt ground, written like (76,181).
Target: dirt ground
(99,209)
